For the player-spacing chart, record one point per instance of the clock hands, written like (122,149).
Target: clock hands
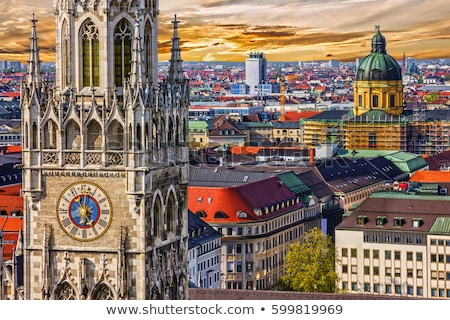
(84,211)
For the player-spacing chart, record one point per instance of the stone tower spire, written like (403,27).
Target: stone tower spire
(176,64)
(34,63)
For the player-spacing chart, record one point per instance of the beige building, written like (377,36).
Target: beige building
(104,160)
(396,244)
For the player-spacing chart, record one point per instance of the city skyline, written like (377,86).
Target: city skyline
(228,30)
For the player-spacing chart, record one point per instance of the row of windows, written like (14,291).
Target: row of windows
(376,288)
(208,263)
(375,271)
(272,225)
(376,254)
(439,242)
(393,237)
(260,246)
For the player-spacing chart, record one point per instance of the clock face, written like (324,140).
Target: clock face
(84,211)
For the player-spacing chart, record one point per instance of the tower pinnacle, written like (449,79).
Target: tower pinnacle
(34,62)
(176,64)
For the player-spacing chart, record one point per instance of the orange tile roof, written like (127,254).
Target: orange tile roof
(10,227)
(431,176)
(244,150)
(267,193)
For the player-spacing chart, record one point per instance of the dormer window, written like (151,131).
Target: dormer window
(242,214)
(398,221)
(220,215)
(417,222)
(380,220)
(361,220)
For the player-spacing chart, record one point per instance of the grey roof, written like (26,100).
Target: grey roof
(346,175)
(286,125)
(199,231)
(336,115)
(224,177)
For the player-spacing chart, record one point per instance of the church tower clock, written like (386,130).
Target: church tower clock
(105,159)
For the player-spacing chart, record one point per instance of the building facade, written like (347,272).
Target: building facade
(204,252)
(396,244)
(255,72)
(105,159)
(259,221)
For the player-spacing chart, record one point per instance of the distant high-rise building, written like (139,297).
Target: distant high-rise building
(255,71)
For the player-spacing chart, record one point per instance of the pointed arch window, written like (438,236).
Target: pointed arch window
(122,51)
(50,131)
(65,292)
(94,136)
(73,138)
(103,292)
(115,136)
(171,216)
(90,54)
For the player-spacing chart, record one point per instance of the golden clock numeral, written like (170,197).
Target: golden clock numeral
(84,234)
(105,212)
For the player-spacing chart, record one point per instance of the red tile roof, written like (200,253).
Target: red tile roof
(247,197)
(10,227)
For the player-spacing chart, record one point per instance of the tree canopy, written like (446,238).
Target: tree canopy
(310,266)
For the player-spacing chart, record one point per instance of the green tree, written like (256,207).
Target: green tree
(310,266)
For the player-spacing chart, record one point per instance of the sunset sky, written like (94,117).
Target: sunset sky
(288,30)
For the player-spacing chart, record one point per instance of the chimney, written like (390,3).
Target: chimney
(312,154)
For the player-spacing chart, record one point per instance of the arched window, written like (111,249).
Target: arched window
(90,54)
(73,138)
(50,131)
(122,51)
(201,214)
(220,215)
(102,292)
(115,136)
(34,136)
(65,292)
(94,136)
(158,219)
(171,216)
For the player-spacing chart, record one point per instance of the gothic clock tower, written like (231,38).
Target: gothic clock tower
(105,159)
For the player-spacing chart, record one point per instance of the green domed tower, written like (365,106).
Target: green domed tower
(378,82)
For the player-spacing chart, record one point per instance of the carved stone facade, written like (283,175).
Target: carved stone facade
(105,159)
